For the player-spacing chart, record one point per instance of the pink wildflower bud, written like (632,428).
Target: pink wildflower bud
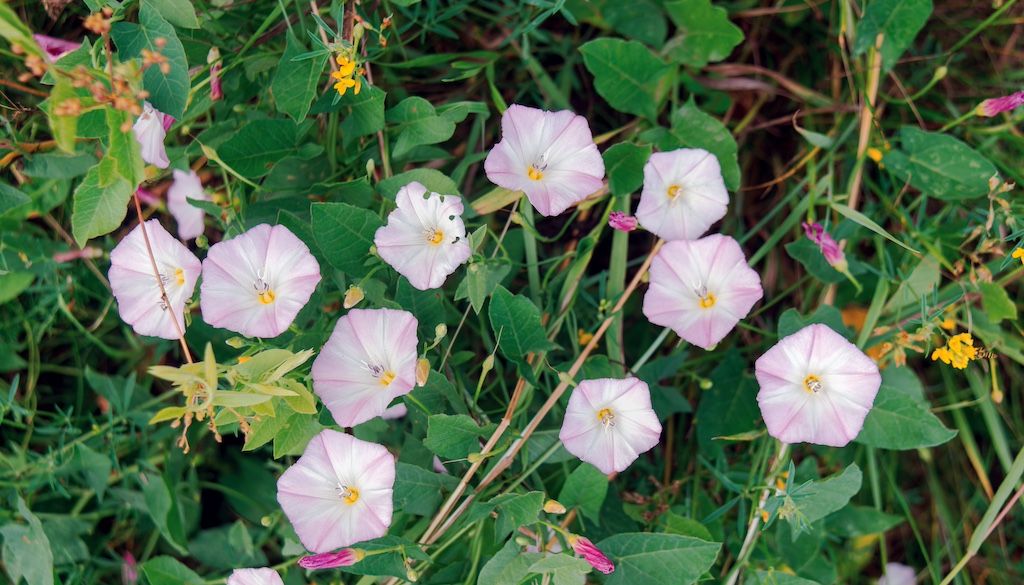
(129,569)
(996,106)
(829,248)
(213,58)
(167,121)
(147,196)
(582,546)
(88,253)
(341,558)
(622,222)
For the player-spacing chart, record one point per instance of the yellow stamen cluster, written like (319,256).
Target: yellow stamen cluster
(435,237)
(534,173)
(812,384)
(387,378)
(266,297)
(673,192)
(347,76)
(708,300)
(958,352)
(349,495)
(179,276)
(606,416)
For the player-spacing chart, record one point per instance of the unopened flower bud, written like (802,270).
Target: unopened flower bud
(940,73)
(236,342)
(706,384)
(439,332)
(554,507)
(353,295)
(474,457)
(422,371)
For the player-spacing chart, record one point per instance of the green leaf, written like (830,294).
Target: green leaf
(705,33)
(168,571)
(58,166)
(64,128)
(729,406)
(898,420)
(178,12)
(658,559)
(480,281)
(26,550)
(809,255)
(792,321)
(676,524)
(434,180)
(515,510)
(627,75)
(100,202)
(921,281)
(418,491)
(565,569)
(64,534)
(940,165)
(853,521)
(418,124)
(163,509)
(860,218)
(295,434)
(295,83)
(509,566)
(258,145)
(390,563)
(361,114)
(898,21)
(585,488)
(811,501)
(773,577)
(168,92)
(516,323)
(344,234)
(997,303)
(123,148)
(624,165)
(95,467)
(641,20)
(13,284)
(452,436)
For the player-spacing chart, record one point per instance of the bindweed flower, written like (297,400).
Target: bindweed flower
(187,186)
(622,222)
(213,60)
(129,569)
(150,131)
(369,360)
(816,387)
(683,194)
(424,239)
(609,423)
(958,352)
(55,48)
(339,492)
(550,156)
(701,288)
(147,196)
(137,289)
(582,546)
(345,557)
(898,574)
(395,412)
(829,248)
(263,576)
(995,106)
(256,283)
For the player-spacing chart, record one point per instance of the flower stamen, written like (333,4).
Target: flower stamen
(812,384)
(179,276)
(673,192)
(435,236)
(606,416)
(534,173)
(263,291)
(348,494)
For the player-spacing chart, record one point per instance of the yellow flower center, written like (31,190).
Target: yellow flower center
(673,192)
(266,297)
(349,495)
(387,378)
(534,173)
(708,300)
(179,276)
(606,416)
(812,384)
(435,237)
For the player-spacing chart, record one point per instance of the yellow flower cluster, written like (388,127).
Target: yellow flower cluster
(1018,254)
(347,76)
(958,351)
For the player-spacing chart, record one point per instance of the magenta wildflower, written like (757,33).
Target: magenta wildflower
(622,222)
(148,197)
(829,248)
(55,48)
(342,558)
(995,106)
(582,546)
(129,569)
(213,58)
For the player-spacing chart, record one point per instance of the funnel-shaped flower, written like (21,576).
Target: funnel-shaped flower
(257,282)
(995,106)
(137,289)
(609,423)
(582,546)
(187,186)
(683,194)
(424,239)
(55,48)
(816,387)
(369,360)
(262,576)
(701,288)
(550,156)
(339,492)
(150,131)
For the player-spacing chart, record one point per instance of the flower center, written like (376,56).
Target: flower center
(606,416)
(383,375)
(534,173)
(348,494)
(812,384)
(179,276)
(435,236)
(264,293)
(673,192)
(708,300)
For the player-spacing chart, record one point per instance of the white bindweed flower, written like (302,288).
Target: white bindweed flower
(898,574)
(369,360)
(187,186)
(339,492)
(683,194)
(816,387)
(263,576)
(609,423)
(701,288)
(550,156)
(137,289)
(150,132)
(424,239)
(256,283)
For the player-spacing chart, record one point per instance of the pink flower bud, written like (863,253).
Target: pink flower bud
(129,569)
(147,196)
(996,106)
(167,121)
(622,222)
(213,58)
(829,248)
(582,546)
(341,558)
(87,253)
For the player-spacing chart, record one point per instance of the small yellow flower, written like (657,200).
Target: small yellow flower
(948,322)
(583,337)
(874,154)
(958,352)
(1018,254)
(343,84)
(346,67)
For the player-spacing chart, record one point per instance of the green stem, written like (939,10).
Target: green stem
(530,248)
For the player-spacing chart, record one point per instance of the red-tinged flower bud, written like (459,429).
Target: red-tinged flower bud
(622,222)
(342,558)
(996,106)
(829,248)
(582,546)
